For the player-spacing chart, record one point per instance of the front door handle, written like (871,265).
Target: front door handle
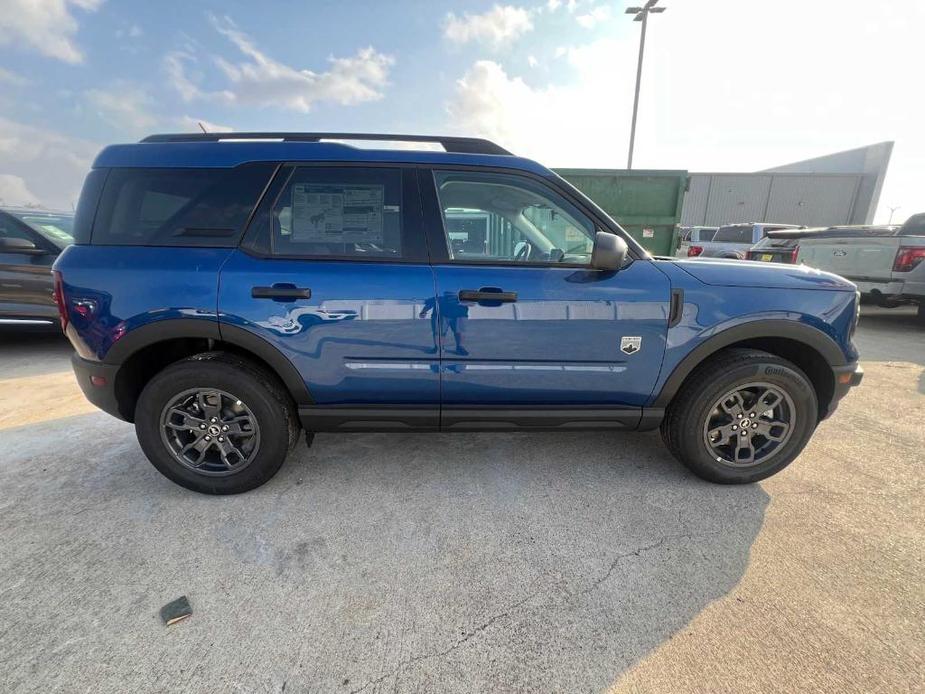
(281,292)
(487,294)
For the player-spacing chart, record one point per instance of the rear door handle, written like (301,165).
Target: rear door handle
(487,294)
(281,292)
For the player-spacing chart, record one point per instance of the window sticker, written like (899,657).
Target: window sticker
(332,213)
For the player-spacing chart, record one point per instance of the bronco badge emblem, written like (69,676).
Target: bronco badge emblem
(630,345)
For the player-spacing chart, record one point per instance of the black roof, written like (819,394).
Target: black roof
(914,226)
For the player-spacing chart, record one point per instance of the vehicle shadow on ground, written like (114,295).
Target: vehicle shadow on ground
(892,335)
(548,561)
(33,353)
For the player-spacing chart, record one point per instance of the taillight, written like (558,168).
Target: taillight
(59,298)
(694,251)
(794,253)
(908,258)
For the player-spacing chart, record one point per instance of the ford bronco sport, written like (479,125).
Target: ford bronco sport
(224,291)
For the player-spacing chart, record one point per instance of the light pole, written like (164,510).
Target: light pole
(642,14)
(892,210)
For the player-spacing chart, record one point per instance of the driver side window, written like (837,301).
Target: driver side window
(506,218)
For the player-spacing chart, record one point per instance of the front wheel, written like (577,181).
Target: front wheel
(215,423)
(741,417)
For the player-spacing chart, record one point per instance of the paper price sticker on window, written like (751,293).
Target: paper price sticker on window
(648,233)
(332,213)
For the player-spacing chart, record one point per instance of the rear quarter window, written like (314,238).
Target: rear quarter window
(86,205)
(178,207)
(734,235)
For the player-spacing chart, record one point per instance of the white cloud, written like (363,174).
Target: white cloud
(594,16)
(497,26)
(41,166)
(560,124)
(262,81)
(14,191)
(46,26)
(532,61)
(124,106)
(13,78)
(699,110)
(192,124)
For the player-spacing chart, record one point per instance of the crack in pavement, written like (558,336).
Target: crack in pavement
(507,611)
(439,654)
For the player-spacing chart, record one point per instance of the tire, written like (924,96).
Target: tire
(250,403)
(920,314)
(695,414)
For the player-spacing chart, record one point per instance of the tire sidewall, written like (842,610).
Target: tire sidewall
(271,417)
(804,420)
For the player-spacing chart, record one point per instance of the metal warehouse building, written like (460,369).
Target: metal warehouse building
(840,188)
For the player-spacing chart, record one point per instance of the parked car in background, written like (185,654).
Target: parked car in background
(222,294)
(30,240)
(887,264)
(694,236)
(734,240)
(783,245)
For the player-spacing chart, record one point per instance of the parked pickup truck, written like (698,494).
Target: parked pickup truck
(886,264)
(694,236)
(734,240)
(783,245)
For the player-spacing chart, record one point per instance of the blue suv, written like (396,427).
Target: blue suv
(225,291)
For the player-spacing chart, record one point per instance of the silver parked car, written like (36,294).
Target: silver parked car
(734,240)
(694,237)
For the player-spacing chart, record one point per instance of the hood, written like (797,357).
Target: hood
(752,273)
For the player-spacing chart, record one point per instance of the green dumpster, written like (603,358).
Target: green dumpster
(647,203)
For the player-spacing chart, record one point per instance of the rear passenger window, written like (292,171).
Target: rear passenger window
(178,207)
(340,212)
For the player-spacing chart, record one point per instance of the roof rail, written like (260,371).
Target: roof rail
(459,145)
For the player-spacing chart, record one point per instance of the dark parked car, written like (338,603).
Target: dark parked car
(30,240)
(224,295)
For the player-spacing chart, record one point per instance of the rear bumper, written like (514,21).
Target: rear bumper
(102,392)
(869,286)
(846,378)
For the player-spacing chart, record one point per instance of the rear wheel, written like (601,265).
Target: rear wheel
(920,313)
(741,417)
(215,423)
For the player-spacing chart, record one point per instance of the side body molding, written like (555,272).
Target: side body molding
(791,330)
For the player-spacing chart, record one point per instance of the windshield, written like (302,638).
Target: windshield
(775,242)
(56,227)
(734,234)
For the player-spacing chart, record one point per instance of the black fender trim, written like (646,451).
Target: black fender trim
(285,369)
(207,328)
(787,329)
(159,331)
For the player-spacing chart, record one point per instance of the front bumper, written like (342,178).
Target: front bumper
(98,383)
(846,378)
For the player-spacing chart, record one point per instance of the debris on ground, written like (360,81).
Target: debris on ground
(176,611)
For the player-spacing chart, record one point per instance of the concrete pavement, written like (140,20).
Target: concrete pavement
(490,562)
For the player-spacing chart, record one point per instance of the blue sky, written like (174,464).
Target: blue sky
(735,85)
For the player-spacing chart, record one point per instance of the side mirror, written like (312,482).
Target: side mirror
(609,251)
(20,246)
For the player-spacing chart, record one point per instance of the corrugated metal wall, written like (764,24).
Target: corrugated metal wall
(810,199)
